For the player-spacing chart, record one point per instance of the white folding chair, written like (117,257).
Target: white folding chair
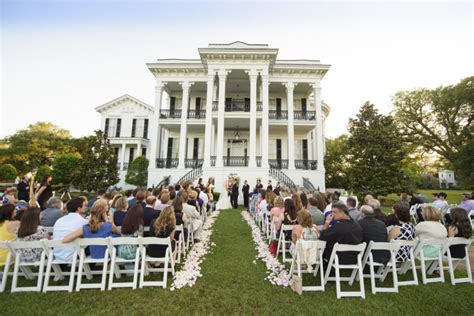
(6,267)
(116,261)
(273,230)
(180,242)
(437,245)
(392,248)
(355,268)
(15,248)
(85,261)
(453,262)
(413,215)
(49,229)
(165,261)
(283,243)
(317,247)
(190,239)
(54,264)
(405,265)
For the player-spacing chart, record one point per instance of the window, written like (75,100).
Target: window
(144,151)
(130,157)
(140,128)
(134,127)
(112,127)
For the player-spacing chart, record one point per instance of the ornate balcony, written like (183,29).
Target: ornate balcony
(170,114)
(278,163)
(215,106)
(277,115)
(167,163)
(236,161)
(306,164)
(193,163)
(305,115)
(196,114)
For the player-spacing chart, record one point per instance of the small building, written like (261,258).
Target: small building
(446,179)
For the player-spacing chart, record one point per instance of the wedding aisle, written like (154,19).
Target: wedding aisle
(233,282)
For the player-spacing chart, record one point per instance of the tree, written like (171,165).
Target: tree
(65,169)
(43,171)
(438,120)
(376,153)
(98,166)
(464,165)
(8,172)
(137,172)
(36,146)
(336,162)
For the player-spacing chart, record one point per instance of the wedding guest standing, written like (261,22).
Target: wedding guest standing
(24,188)
(235,194)
(245,191)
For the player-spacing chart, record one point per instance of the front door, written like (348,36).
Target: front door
(228,104)
(305,153)
(278,108)
(172,106)
(198,107)
(169,153)
(278,152)
(247,105)
(195,149)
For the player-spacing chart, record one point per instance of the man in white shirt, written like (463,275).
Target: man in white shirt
(205,199)
(439,200)
(66,225)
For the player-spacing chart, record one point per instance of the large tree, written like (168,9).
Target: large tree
(35,146)
(65,169)
(376,152)
(98,164)
(438,120)
(137,172)
(336,162)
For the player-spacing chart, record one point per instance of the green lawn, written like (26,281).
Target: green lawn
(232,284)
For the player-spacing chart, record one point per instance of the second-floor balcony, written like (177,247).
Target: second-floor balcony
(236,105)
(176,114)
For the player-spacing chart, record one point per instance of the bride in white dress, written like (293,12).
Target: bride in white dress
(224,199)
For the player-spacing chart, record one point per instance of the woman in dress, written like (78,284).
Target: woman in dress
(224,200)
(8,227)
(45,191)
(132,226)
(163,227)
(460,227)
(405,231)
(30,230)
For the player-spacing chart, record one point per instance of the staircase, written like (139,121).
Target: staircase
(309,186)
(192,175)
(165,182)
(282,177)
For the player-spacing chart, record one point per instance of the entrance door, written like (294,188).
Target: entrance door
(195,149)
(278,108)
(247,105)
(278,152)
(198,107)
(169,153)
(228,104)
(172,106)
(305,153)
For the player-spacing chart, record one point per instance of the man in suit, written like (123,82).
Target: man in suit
(235,194)
(245,191)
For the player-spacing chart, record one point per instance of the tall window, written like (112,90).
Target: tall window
(131,154)
(112,127)
(140,128)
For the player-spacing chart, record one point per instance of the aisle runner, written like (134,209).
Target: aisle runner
(276,271)
(191,269)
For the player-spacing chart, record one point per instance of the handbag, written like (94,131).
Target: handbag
(273,247)
(296,284)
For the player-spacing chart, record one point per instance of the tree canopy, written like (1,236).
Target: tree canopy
(336,162)
(137,172)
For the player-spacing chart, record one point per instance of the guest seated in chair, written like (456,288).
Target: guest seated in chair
(163,227)
(460,227)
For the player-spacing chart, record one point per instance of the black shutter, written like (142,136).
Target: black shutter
(145,129)
(303,105)
(106,128)
(119,127)
(134,127)
(143,151)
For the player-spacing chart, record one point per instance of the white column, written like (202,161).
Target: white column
(253,118)
(122,162)
(139,148)
(155,124)
(184,117)
(264,131)
(208,127)
(220,119)
(291,129)
(319,141)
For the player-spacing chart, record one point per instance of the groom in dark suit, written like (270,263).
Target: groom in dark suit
(235,194)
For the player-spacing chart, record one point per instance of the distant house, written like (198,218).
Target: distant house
(446,179)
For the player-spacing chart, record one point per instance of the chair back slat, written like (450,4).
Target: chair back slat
(345,247)
(84,242)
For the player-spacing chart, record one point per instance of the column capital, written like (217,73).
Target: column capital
(316,84)
(222,73)
(253,73)
(160,85)
(290,85)
(186,85)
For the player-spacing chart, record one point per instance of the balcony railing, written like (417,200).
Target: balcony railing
(125,166)
(282,177)
(306,164)
(278,163)
(213,161)
(259,161)
(167,163)
(237,105)
(277,115)
(170,114)
(305,115)
(193,163)
(236,161)
(215,105)
(259,106)
(196,114)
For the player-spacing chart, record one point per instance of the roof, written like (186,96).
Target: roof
(117,101)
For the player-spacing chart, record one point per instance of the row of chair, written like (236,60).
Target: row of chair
(48,266)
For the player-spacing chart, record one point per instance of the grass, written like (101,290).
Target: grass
(232,284)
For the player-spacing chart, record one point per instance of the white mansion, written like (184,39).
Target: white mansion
(237,109)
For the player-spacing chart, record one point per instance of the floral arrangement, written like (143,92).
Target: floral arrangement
(277,274)
(191,269)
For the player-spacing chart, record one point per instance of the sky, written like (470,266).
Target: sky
(61,59)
